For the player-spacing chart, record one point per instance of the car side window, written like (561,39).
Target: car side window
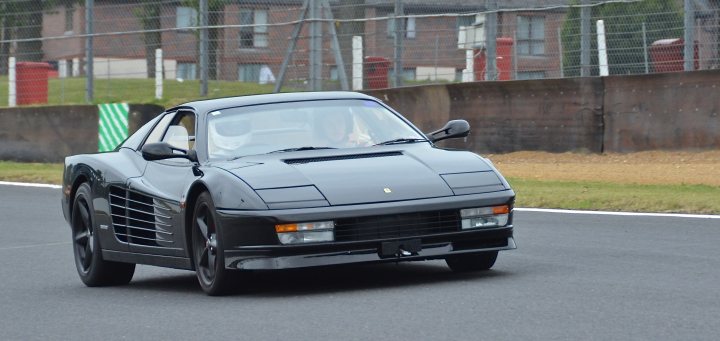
(157,133)
(181,132)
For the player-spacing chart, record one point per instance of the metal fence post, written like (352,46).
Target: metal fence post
(491,41)
(315,83)
(89,72)
(689,38)
(398,42)
(203,46)
(645,48)
(585,38)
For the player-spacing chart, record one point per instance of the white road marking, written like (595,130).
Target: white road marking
(25,184)
(32,245)
(635,214)
(519,209)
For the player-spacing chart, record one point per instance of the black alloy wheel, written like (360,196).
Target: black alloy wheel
(92,269)
(472,261)
(207,250)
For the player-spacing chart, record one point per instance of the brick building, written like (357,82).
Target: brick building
(430,41)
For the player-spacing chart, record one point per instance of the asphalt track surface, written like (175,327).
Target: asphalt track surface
(573,277)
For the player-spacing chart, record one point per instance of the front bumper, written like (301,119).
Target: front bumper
(250,242)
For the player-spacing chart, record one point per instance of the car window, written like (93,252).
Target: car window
(136,139)
(159,130)
(275,127)
(181,131)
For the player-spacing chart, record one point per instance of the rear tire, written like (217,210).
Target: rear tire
(92,269)
(472,261)
(207,251)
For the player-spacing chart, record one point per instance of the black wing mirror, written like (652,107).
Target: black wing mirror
(452,129)
(163,150)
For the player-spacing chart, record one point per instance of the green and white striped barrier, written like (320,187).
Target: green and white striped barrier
(112,125)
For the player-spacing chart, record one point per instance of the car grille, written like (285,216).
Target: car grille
(397,226)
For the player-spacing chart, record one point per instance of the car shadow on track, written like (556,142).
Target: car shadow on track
(324,280)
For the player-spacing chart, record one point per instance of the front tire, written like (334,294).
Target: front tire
(472,261)
(92,269)
(207,250)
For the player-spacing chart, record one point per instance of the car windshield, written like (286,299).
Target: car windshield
(286,127)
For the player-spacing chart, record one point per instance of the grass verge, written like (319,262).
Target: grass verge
(45,173)
(616,197)
(530,192)
(63,91)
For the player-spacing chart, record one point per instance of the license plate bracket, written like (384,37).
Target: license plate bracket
(400,248)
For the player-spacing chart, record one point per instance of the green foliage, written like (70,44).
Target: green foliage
(623,29)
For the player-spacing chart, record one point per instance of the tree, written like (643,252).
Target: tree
(23,20)
(149,16)
(623,29)
(215,19)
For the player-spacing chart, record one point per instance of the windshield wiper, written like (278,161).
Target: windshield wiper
(299,149)
(400,141)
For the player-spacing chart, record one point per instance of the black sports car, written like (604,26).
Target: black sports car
(282,181)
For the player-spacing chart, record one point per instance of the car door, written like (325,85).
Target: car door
(158,192)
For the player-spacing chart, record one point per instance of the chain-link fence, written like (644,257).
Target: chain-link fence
(183,49)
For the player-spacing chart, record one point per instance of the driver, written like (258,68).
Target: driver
(227,135)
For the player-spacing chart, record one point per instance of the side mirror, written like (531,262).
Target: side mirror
(163,150)
(452,129)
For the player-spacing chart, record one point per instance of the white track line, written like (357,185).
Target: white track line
(33,245)
(635,214)
(519,209)
(25,184)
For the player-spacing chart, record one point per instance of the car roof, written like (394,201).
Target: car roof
(204,106)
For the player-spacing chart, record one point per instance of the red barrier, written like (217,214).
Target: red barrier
(32,82)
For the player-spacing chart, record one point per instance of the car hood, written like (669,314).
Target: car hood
(353,177)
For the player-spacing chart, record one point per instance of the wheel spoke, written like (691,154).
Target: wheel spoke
(82,237)
(91,243)
(202,226)
(85,215)
(87,256)
(203,260)
(211,261)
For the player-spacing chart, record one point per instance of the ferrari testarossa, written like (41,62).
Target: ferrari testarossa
(279,181)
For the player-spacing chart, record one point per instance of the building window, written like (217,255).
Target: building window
(465,20)
(185,71)
(525,75)
(531,35)
(408,74)
(255,73)
(257,34)
(409,24)
(186,17)
(69,17)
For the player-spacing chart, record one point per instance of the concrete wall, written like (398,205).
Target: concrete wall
(48,134)
(553,115)
(662,111)
(675,111)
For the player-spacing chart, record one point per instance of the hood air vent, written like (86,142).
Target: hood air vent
(340,157)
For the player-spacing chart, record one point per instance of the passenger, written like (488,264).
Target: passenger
(338,129)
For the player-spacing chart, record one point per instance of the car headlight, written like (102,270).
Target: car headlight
(484,217)
(313,232)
